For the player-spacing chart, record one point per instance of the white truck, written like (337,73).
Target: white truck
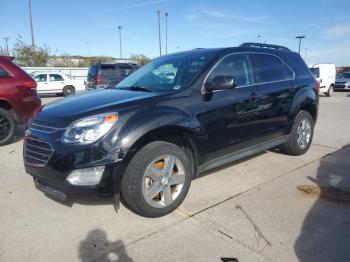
(325,75)
(57,83)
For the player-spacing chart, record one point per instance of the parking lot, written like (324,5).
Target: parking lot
(257,209)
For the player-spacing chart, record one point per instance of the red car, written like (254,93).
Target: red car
(18,98)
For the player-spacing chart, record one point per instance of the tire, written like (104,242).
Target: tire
(163,196)
(68,90)
(300,138)
(330,91)
(7,126)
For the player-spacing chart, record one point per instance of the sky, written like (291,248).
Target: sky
(89,27)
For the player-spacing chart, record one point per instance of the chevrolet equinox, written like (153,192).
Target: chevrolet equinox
(146,138)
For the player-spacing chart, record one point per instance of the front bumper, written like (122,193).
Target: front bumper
(50,162)
(341,86)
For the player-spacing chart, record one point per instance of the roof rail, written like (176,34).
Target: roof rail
(261,45)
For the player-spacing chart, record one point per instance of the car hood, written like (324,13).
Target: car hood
(64,111)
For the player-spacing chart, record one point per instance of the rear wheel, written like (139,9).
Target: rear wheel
(157,179)
(7,126)
(301,136)
(68,90)
(330,91)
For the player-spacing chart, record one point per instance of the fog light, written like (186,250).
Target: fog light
(86,177)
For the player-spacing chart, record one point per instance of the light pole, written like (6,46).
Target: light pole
(160,42)
(300,37)
(257,38)
(166,33)
(7,46)
(31,24)
(120,41)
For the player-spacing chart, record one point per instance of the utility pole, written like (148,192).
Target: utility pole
(160,41)
(7,46)
(120,41)
(300,37)
(166,33)
(31,24)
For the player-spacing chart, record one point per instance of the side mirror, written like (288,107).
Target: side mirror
(220,83)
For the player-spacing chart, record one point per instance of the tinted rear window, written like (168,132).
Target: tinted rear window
(270,68)
(108,70)
(92,70)
(298,65)
(3,72)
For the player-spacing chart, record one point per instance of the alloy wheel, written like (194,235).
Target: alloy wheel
(163,181)
(304,133)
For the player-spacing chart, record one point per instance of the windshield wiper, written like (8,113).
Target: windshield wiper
(139,88)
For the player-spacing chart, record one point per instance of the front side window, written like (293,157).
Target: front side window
(237,66)
(41,78)
(168,73)
(56,77)
(270,68)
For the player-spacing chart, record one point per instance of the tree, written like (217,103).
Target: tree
(27,56)
(141,59)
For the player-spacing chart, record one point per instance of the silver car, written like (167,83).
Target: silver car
(342,81)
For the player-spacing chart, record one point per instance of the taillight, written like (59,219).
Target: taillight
(30,84)
(317,85)
(98,80)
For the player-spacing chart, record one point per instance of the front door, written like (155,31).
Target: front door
(230,116)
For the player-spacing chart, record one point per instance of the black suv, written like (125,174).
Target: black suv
(102,75)
(170,120)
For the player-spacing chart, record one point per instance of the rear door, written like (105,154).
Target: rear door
(274,95)
(56,82)
(42,83)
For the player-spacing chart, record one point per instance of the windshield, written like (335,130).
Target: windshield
(344,75)
(315,71)
(168,73)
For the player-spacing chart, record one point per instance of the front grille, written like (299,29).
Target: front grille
(43,126)
(339,86)
(36,153)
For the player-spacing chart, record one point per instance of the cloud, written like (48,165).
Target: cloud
(339,31)
(143,4)
(224,15)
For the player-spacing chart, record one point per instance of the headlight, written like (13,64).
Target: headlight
(89,130)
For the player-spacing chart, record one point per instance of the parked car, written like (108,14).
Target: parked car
(57,83)
(106,75)
(343,81)
(325,75)
(18,98)
(151,134)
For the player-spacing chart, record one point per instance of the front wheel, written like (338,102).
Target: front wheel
(330,91)
(157,179)
(301,136)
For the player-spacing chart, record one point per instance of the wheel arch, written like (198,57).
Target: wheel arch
(175,135)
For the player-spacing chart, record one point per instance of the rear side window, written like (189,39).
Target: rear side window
(3,72)
(237,66)
(56,77)
(108,70)
(92,71)
(270,68)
